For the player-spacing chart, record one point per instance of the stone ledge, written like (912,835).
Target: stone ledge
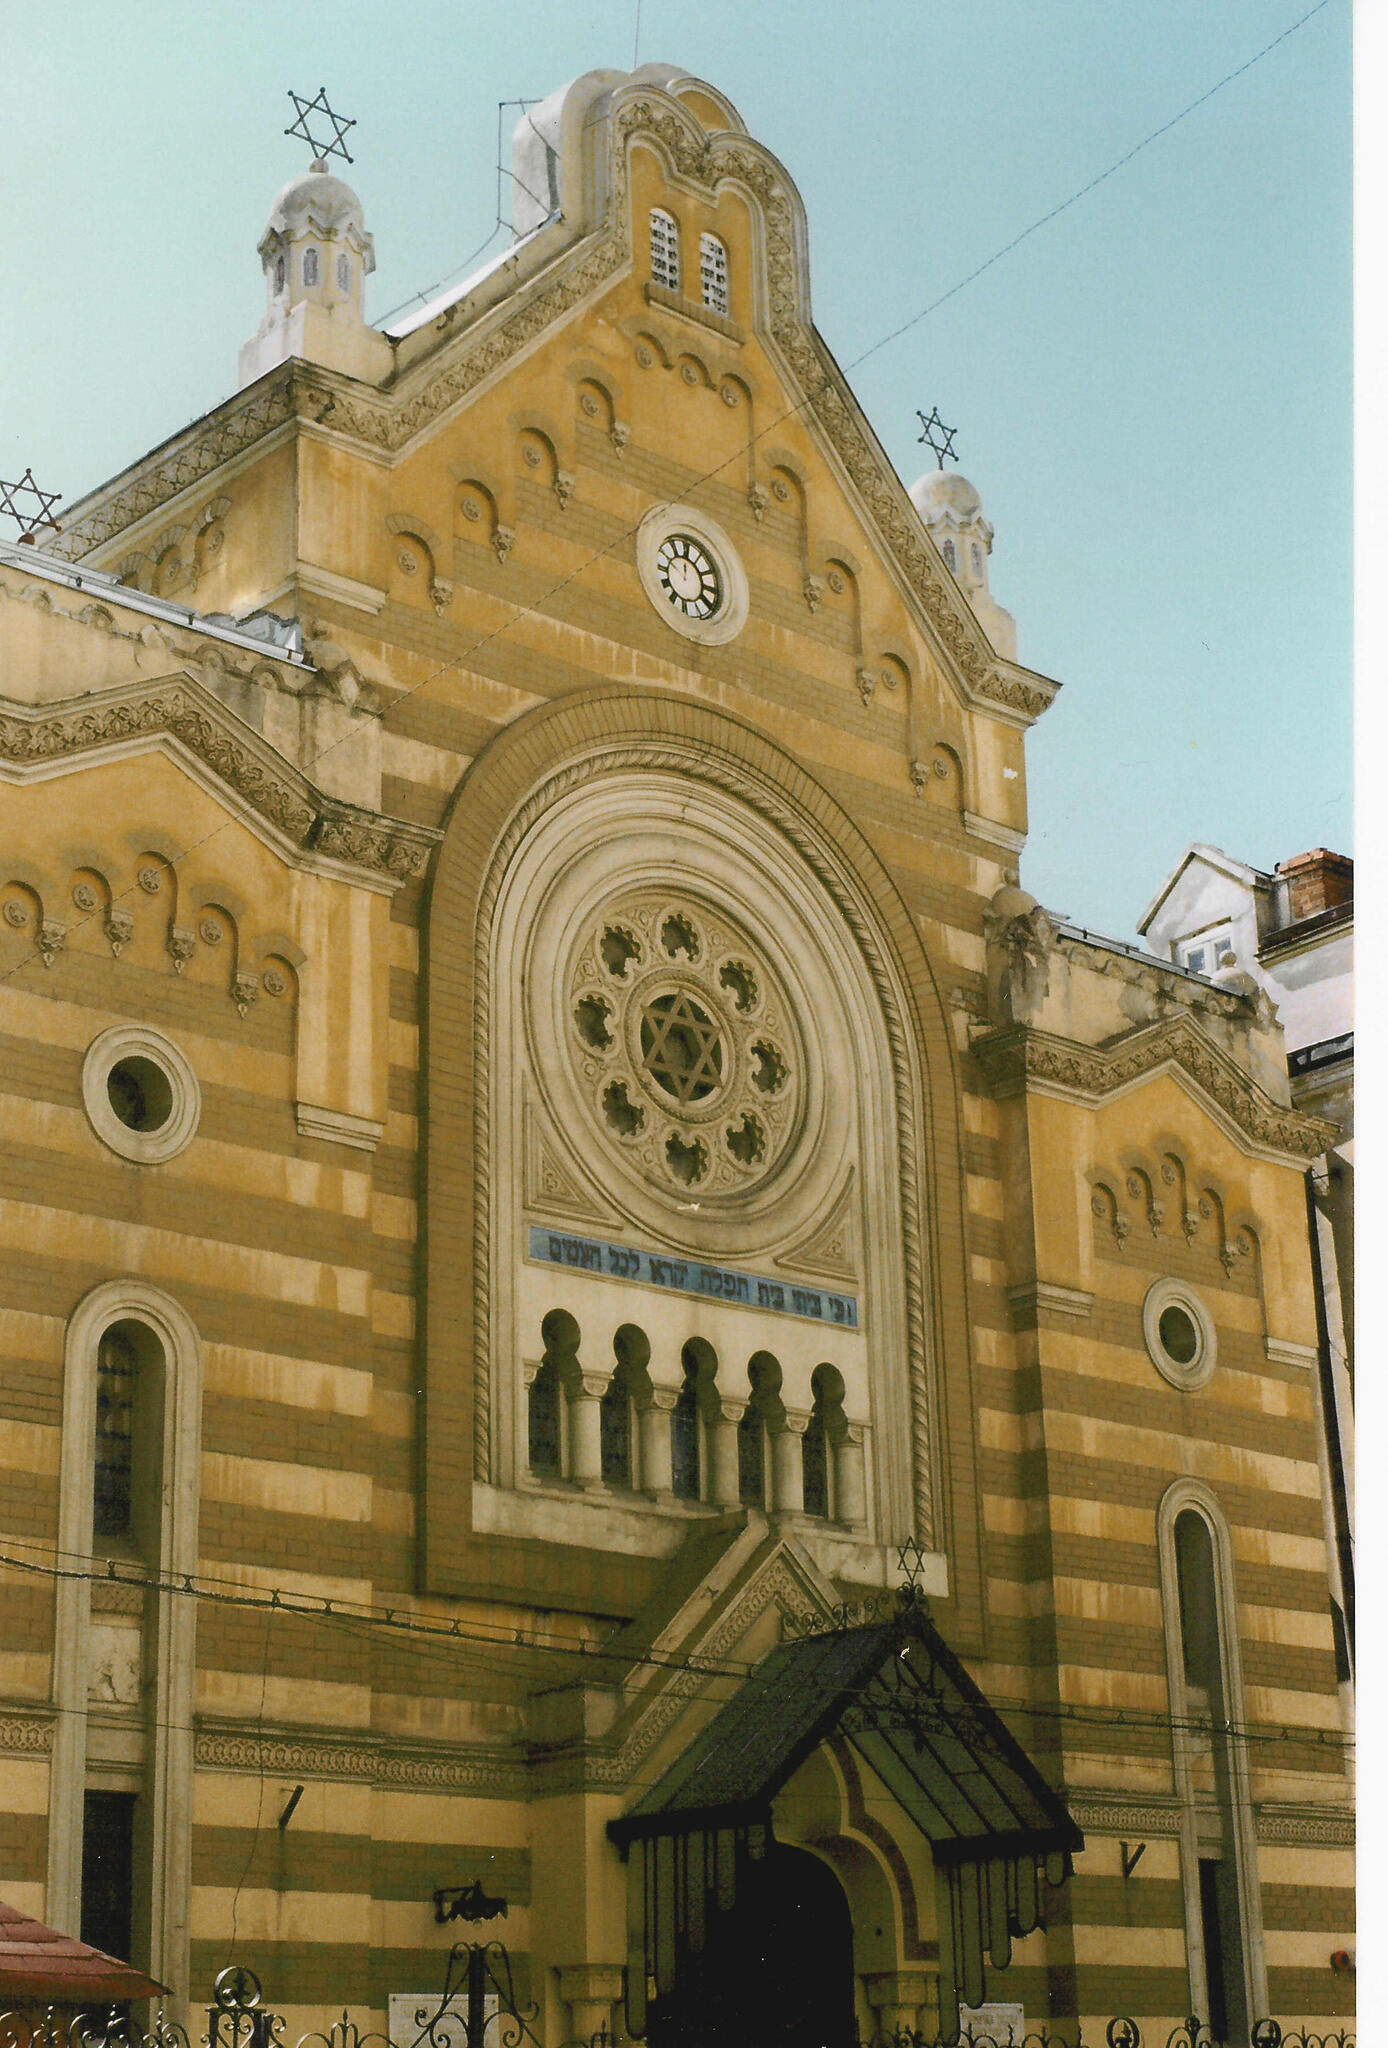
(338,1126)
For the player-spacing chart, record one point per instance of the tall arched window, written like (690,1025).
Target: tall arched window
(713,273)
(558,1369)
(947,550)
(819,1445)
(687,1450)
(1218,1847)
(120,1852)
(117,1363)
(310,266)
(665,249)
(763,1411)
(127,1442)
(628,1384)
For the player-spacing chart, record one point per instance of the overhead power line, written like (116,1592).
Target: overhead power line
(360,1617)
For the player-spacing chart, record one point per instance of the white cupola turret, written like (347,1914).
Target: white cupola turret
(953,513)
(316,255)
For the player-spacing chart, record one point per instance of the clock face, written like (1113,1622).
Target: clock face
(689,576)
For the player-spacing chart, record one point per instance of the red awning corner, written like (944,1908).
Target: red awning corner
(40,1966)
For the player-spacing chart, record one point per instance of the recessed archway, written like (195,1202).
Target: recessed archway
(777,1969)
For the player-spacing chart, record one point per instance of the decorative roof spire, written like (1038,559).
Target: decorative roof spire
(953,512)
(316,255)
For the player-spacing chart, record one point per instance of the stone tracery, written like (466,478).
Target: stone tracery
(685,1043)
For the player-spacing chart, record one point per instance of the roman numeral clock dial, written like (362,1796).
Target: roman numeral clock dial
(691,573)
(688,576)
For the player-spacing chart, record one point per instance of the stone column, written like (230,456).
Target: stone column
(590,1990)
(657,1472)
(726,1486)
(851,1474)
(585,1430)
(787,1471)
(897,1998)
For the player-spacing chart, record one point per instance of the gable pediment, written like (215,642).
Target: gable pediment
(550,278)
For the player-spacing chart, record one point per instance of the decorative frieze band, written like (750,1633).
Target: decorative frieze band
(1104,1813)
(1115,1815)
(366,1761)
(1017,1055)
(389,847)
(1326,1827)
(25,1735)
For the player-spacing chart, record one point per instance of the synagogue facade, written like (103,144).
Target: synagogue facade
(552,1163)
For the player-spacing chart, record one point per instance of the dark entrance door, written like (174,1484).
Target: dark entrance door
(777,1970)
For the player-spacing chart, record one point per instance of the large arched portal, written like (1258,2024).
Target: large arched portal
(777,1968)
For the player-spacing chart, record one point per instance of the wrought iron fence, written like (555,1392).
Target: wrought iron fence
(478,2008)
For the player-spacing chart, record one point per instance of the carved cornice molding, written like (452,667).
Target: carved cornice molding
(1017,1057)
(362,1759)
(388,423)
(389,848)
(26,1735)
(184,461)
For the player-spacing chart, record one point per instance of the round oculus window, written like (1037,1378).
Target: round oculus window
(689,576)
(140,1094)
(1179,1334)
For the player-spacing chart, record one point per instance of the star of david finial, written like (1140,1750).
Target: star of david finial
(938,438)
(911,1557)
(27,504)
(303,108)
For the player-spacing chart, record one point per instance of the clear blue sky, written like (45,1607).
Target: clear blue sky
(1152,393)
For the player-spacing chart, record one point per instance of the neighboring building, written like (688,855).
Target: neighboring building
(1292,931)
(547,1149)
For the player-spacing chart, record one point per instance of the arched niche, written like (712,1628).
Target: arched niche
(608,755)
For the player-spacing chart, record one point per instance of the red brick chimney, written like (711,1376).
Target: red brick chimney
(1316,881)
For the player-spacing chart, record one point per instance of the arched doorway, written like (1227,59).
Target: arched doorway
(777,1969)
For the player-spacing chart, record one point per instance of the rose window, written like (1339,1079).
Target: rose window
(685,1043)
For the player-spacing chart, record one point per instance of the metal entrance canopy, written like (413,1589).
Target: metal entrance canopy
(900,1696)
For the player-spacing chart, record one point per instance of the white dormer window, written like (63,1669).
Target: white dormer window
(665,249)
(1210,952)
(713,273)
(310,266)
